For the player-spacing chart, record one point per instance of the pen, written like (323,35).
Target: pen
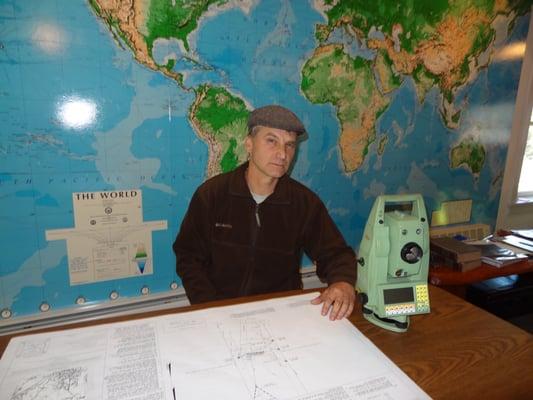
(170,373)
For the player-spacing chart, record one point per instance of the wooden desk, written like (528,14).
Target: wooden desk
(445,276)
(455,281)
(457,351)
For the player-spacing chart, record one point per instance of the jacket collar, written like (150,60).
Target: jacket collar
(239,187)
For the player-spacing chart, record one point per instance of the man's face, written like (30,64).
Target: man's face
(271,151)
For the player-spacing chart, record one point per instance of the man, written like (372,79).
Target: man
(245,230)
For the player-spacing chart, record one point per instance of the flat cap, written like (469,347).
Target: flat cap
(275,116)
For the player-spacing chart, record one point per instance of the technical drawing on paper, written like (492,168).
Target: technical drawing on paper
(65,384)
(33,349)
(273,350)
(262,359)
(240,356)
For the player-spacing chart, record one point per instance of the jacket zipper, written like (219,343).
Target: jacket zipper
(258,225)
(247,281)
(257,218)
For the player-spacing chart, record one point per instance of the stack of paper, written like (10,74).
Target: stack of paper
(497,256)
(274,349)
(523,239)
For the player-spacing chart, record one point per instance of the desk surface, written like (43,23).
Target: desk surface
(458,351)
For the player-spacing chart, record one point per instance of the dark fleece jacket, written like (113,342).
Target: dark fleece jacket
(229,246)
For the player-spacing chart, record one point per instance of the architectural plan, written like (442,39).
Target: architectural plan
(267,350)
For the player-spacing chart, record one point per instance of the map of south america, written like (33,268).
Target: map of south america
(217,116)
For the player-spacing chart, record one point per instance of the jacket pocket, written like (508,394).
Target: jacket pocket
(228,267)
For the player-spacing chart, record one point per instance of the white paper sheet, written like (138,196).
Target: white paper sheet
(116,361)
(275,349)
(110,239)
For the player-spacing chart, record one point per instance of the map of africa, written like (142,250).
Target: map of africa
(397,97)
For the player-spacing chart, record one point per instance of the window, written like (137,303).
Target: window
(516,201)
(525,184)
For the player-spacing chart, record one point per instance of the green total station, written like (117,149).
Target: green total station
(392,268)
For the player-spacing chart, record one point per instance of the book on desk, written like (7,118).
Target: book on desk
(454,253)
(464,256)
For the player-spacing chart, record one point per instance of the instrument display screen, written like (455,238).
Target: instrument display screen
(399,295)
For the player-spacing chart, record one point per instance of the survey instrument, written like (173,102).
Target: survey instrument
(393,263)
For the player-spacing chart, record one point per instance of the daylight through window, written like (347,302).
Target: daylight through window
(525,185)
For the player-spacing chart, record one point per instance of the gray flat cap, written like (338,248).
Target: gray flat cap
(275,116)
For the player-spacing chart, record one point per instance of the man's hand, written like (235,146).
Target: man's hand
(339,297)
